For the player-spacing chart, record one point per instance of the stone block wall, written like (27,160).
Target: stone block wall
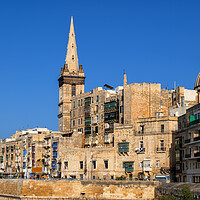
(65,189)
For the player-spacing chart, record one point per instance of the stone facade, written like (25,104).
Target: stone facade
(188,146)
(71,82)
(23,152)
(187,143)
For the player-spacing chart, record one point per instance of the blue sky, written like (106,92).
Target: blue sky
(155,41)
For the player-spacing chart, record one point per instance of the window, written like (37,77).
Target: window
(72,57)
(33,148)
(54,165)
(33,163)
(122,120)
(55,146)
(97,98)
(141,145)
(54,154)
(24,164)
(142,129)
(161,144)
(96,108)
(123,147)
(33,155)
(81,176)
(66,164)
(11,148)
(78,121)
(1,158)
(129,166)
(7,149)
(7,157)
(106,164)
(121,109)
(157,163)
(182,101)
(112,177)
(81,102)
(162,128)
(94,164)
(11,156)
(81,164)
(3,150)
(81,120)
(78,102)
(73,122)
(73,90)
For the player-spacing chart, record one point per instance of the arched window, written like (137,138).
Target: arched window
(72,57)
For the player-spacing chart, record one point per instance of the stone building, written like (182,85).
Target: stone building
(22,152)
(71,82)
(187,143)
(108,133)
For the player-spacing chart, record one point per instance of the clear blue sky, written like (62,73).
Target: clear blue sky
(155,41)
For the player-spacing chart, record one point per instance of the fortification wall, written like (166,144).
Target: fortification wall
(67,189)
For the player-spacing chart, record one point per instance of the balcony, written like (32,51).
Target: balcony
(109,130)
(187,141)
(107,139)
(197,154)
(129,169)
(123,147)
(188,155)
(177,146)
(95,140)
(192,123)
(87,141)
(110,106)
(46,146)
(161,149)
(196,138)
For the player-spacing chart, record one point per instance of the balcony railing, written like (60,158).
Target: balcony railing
(197,154)
(177,146)
(188,155)
(196,138)
(192,123)
(161,149)
(129,169)
(187,141)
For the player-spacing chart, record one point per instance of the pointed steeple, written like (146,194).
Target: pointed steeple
(72,58)
(125,79)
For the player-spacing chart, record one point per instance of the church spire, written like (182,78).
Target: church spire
(72,58)
(125,79)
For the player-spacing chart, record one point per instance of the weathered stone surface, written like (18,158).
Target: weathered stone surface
(64,189)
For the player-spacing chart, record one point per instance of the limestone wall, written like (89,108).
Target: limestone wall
(65,189)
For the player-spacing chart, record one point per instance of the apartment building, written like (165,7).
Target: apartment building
(187,143)
(22,153)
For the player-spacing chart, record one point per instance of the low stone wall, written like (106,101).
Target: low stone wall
(65,189)
(175,188)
